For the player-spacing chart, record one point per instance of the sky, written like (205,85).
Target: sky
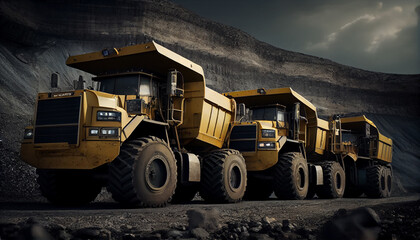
(382,36)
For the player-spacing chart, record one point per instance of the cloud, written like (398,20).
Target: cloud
(384,25)
(371,34)
(358,33)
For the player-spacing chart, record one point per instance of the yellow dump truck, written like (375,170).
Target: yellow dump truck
(288,149)
(151,132)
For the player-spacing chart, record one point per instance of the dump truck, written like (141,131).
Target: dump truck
(151,131)
(288,149)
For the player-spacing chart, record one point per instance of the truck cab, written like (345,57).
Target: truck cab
(148,132)
(260,134)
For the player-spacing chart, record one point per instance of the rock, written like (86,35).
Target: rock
(287,226)
(35,232)
(126,228)
(244,235)
(268,220)
(303,232)
(63,235)
(256,236)
(311,237)
(207,220)
(105,234)
(33,220)
(200,233)
(255,224)
(362,223)
(86,233)
(150,236)
(93,233)
(56,229)
(174,234)
(255,229)
(177,226)
(129,236)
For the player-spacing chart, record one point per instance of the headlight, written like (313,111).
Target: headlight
(267,145)
(109,131)
(268,133)
(29,134)
(105,132)
(93,131)
(108,116)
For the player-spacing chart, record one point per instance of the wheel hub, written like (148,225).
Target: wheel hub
(235,177)
(156,173)
(300,178)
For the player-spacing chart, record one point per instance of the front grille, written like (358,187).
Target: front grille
(247,131)
(57,120)
(58,111)
(243,146)
(244,138)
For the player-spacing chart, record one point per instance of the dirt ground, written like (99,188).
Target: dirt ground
(310,215)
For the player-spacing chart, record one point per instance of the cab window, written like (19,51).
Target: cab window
(120,85)
(264,114)
(145,86)
(280,116)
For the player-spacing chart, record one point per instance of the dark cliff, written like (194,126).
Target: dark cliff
(37,37)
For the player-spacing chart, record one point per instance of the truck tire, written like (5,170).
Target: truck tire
(389,180)
(144,174)
(258,189)
(376,182)
(68,187)
(291,178)
(334,181)
(223,178)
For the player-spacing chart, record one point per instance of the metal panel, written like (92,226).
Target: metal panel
(244,138)
(57,120)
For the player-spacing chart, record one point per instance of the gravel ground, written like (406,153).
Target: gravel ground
(272,219)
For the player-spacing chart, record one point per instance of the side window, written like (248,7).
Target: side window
(144,86)
(107,85)
(127,85)
(280,116)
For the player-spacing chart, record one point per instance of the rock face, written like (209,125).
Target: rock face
(36,37)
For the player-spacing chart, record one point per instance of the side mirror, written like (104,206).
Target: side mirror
(175,84)
(172,79)
(79,84)
(241,110)
(296,111)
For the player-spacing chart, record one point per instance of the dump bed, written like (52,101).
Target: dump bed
(207,114)
(380,145)
(316,128)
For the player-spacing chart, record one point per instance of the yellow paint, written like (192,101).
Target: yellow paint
(381,147)
(311,133)
(88,155)
(205,121)
(260,160)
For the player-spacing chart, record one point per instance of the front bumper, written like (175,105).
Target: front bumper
(88,155)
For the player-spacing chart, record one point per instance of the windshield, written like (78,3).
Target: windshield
(120,85)
(271,114)
(126,85)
